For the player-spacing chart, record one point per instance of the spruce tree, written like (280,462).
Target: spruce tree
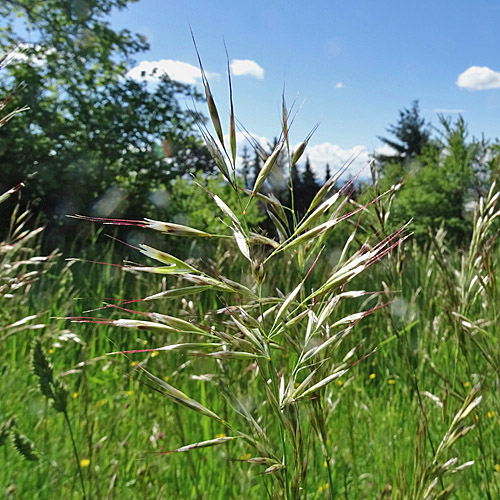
(328,174)
(410,136)
(245,166)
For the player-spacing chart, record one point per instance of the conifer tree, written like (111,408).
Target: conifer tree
(245,166)
(328,174)
(410,136)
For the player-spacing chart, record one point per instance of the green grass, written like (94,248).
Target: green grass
(117,416)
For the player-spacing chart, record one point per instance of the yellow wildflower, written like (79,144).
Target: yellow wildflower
(84,462)
(323,487)
(372,376)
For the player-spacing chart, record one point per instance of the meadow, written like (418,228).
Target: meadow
(398,397)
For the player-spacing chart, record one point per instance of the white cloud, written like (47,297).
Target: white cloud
(386,150)
(337,156)
(319,155)
(339,85)
(183,72)
(246,67)
(479,78)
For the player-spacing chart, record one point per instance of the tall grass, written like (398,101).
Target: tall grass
(120,424)
(274,345)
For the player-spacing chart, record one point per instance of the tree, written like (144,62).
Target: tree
(91,132)
(328,173)
(305,189)
(437,192)
(245,166)
(411,135)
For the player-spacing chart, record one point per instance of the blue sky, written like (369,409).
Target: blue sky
(354,64)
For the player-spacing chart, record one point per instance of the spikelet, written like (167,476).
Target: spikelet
(24,446)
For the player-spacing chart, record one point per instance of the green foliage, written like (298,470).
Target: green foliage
(189,204)
(449,173)
(411,135)
(52,388)
(91,133)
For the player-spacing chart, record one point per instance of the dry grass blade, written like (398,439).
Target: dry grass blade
(267,167)
(274,468)
(158,269)
(212,108)
(309,235)
(280,228)
(176,264)
(321,383)
(180,397)
(185,347)
(8,116)
(227,211)
(321,210)
(302,146)
(334,339)
(11,191)
(178,323)
(179,292)
(270,199)
(222,285)
(254,335)
(328,186)
(250,356)
(286,304)
(232,126)
(203,444)
(167,324)
(259,239)
(215,153)
(175,229)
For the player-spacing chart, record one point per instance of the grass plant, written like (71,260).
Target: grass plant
(288,334)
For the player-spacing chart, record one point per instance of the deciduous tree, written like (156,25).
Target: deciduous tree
(91,132)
